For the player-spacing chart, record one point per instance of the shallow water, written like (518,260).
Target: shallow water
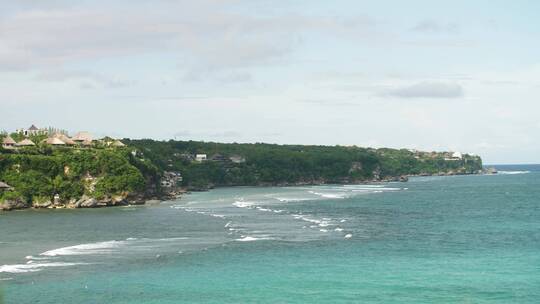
(471,239)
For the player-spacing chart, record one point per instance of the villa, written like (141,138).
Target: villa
(25,143)
(5,187)
(8,142)
(200,157)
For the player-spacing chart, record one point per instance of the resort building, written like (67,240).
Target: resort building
(54,141)
(68,141)
(32,131)
(200,157)
(25,143)
(457,155)
(5,187)
(8,142)
(83,137)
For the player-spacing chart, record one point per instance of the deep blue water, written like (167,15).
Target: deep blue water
(460,239)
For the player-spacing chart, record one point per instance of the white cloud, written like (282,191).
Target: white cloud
(428,90)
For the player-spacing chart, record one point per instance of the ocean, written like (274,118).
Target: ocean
(455,239)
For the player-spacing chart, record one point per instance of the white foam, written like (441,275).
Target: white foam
(323,230)
(218,215)
(348,236)
(338,229)
(251,239)
(513,172)
(242,204)
(22,268)
(329,195)
(83,249)
(291,199)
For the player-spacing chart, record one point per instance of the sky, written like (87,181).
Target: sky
(428,75)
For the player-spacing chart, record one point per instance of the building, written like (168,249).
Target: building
(8,142)
(118,144)
(5,187)
(200,157)
(32,131)
(83,137)
(457,155)
(54,141)
(25,143)
(63,137)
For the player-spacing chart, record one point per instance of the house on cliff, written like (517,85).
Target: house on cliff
(25,143)
(5,187)
(8,142)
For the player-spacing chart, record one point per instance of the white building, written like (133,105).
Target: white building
(200,157)
(457,155)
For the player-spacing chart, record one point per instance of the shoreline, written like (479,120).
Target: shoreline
(91,203)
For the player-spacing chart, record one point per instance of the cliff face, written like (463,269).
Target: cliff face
(265,164)
(88,178)
(75,178)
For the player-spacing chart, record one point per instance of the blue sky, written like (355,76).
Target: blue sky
(454,75)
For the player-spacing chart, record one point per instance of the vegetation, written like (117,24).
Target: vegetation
(268,164)
(39,173)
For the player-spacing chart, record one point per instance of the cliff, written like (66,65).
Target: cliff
(267,164)
(45,177)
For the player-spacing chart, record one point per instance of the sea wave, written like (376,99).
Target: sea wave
(251,239)
(82,249)
(243,204)
(33,267)
(513,172)
(329,195)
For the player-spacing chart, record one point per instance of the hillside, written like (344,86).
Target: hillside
(269,164)
(77,177)
(44,176)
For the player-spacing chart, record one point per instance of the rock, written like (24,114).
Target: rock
(404,178)
(44,204)
(13,204)
(84,202)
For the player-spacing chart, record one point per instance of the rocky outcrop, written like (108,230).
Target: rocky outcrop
(42,204)
(13,204)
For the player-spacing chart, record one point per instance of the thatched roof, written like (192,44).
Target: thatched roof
(118,143)
(26,142)
(83,136)
(33,128)
(5,186)
(64,138)
(87,143)
(8,141)
(54,141)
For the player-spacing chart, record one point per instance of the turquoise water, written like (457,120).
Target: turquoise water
(462,239)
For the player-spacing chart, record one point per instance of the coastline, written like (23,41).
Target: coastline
(138,200)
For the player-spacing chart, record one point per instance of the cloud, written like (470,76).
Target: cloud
(428,90)
(204,37)
(89,80)
(431,26)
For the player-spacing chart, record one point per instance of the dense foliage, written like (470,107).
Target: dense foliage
(290,164)
(40,173)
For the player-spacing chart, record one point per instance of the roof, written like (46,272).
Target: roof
(4,186)
(26,142)
(33,128)
(54,141)
(118,143)
(87,142)
(8,141)
(83,136)
(64,138)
